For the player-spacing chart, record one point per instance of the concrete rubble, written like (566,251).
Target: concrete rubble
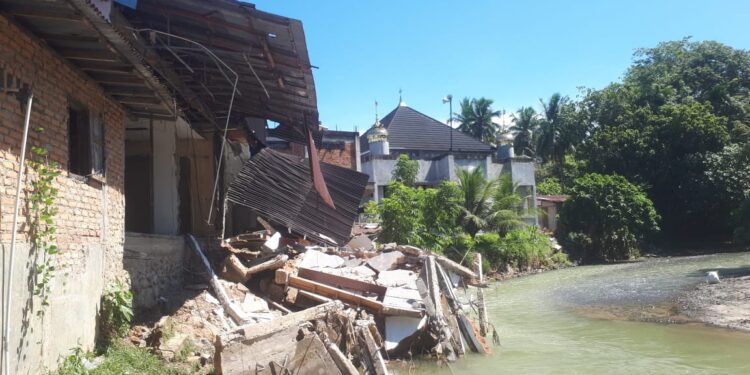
(277,304)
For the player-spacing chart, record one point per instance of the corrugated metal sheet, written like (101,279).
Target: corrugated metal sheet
(279,188)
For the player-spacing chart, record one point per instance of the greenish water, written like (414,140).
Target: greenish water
(578,321)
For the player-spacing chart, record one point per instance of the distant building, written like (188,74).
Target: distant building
(549,206)
(440,151)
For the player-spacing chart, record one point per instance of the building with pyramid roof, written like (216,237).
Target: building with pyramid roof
(440,150)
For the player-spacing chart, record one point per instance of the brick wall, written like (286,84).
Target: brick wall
(90,220)
(345,157)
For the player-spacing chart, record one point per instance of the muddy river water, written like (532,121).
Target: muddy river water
(613,319)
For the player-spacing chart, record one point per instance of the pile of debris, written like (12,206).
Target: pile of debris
(283,305)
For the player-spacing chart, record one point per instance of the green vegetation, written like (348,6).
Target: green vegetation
(458,219)
(116,313)
(741,221)
(122,359)
(406,170)
(475,119)
(550,186)
(606,219)
(43,212)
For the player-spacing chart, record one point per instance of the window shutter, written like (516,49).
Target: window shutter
(96,132)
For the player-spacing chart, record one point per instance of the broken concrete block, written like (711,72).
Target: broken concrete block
(386,261)
(253,304)
(403,298)
(317,259)
(361,243)
(353,262)
(397,328)
(398,278)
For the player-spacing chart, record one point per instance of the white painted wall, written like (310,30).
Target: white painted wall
(166,199)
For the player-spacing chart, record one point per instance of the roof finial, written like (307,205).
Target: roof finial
(400,100)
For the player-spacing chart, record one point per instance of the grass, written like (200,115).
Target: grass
(125,359)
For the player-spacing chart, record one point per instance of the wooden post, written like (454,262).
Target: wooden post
(483,322)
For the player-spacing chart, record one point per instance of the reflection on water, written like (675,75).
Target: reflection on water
(597,319)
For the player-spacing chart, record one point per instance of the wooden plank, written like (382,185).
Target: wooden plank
(455,267)
(335,293)
(341,281)
(483,321)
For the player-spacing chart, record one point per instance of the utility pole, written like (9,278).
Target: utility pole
(449,99)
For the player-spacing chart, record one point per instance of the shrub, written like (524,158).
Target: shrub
(526,248)
(116,312)
(490,245)
(406,170)
(401,215)
(459,246)
(741,221)
(550,186)
(607,218)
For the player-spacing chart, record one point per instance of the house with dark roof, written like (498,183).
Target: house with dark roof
(440,150)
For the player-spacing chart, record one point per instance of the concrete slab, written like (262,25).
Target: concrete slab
(398,278)
(398,328)
(317,259)
(386,261)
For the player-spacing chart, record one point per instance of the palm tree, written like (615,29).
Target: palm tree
(525,126)
(506,211)
(476,192)
(476,119)
(492,204)
(551,145)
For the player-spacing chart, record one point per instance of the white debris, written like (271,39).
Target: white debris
(316,259)
(712,277)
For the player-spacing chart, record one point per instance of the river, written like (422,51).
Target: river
(607,319)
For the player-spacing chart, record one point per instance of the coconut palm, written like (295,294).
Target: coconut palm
(525,125)
(475,119)
(554,136)
(492,204)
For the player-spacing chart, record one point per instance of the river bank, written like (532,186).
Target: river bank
(726,304)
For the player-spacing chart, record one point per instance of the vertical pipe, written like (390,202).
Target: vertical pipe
(19,181)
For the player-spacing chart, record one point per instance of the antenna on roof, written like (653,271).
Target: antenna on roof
(400,100)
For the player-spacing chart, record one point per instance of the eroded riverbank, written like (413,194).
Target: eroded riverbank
(546,326)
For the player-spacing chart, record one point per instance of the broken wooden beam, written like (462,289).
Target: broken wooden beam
(235,270)
(482,307)
(349,298)
(455,267)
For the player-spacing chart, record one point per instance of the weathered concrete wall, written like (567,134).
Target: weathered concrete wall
(155,265)
(90,221)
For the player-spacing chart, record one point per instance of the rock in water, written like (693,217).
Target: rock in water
(713,277)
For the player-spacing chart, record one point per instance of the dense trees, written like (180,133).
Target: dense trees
(607,218)
(525,127)
(406,170)
(670,126)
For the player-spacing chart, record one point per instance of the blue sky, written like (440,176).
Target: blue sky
(513,52)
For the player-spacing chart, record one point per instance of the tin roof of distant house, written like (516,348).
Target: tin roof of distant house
(409,129)
(553,198)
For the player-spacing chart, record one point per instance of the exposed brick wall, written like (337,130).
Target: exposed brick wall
(89,212)
(345,157)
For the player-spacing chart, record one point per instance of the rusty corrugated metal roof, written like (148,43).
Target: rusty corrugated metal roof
(279,188)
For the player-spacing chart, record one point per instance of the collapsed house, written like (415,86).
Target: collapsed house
(142,105)
(157,115)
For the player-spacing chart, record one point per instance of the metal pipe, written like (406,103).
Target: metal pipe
(229,111)
(19,181)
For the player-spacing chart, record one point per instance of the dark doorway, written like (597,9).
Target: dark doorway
(183,190)
(138,212)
